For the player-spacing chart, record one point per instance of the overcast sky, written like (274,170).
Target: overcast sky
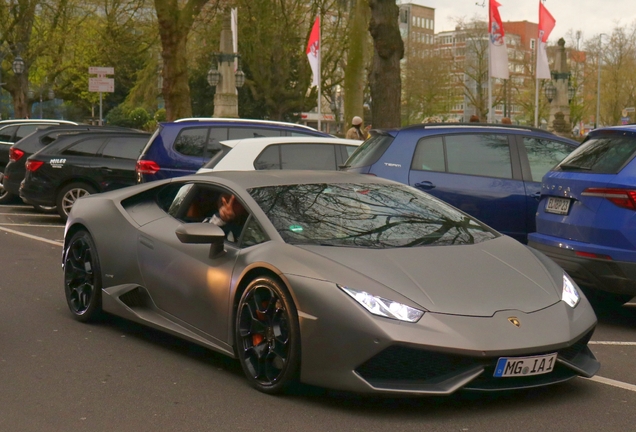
(590,16)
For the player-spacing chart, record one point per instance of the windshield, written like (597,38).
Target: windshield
(601,154)
(366,215)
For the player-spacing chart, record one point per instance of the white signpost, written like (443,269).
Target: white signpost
(101,84)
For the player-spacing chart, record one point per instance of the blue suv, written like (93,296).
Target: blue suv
(491,172)
(586,220)
(182,147)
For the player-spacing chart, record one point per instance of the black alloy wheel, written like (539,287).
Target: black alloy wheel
(267,336)
(82,278)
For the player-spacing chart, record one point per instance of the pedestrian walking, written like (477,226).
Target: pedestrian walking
(356,132)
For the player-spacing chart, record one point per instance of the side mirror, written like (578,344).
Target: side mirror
(202,233)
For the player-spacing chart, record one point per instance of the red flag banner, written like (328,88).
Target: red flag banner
(546,24)
(497,44)
(313,52)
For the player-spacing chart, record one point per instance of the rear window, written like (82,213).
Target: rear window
(370,151)
(601,155)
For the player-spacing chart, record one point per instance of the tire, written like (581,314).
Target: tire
(82,278)
(45,209)
(267,336)
(69,194)
(6,197)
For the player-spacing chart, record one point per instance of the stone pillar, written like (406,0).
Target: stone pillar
(226,99)
(560,103)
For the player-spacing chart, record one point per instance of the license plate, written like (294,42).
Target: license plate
(525,366)
(557,205)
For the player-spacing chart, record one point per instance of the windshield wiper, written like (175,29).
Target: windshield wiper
(574,167)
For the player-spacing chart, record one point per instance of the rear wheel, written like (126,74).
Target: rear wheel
(267,336)
(69,194)
(6,197)
(82,278)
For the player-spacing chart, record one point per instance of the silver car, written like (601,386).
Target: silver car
(334,279)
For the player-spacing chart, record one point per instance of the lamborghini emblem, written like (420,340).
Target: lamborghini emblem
(514,321)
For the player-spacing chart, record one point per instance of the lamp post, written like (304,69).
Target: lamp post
(17,66)
(222,75)
(598,85)
(550,91)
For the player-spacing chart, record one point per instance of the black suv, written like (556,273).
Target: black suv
(15,170)
(81,164)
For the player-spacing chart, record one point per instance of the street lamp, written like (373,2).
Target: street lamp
(215,77)
(598,85)
(17,66)
(571,93)
(550,91)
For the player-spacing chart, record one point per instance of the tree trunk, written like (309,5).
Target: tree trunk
(174,26)
(385,80)
(354,78)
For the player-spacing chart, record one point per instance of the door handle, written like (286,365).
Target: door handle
(106,169)
(426,185)
(146,242)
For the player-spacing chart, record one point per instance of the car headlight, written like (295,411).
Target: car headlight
(570,294)
(384,307)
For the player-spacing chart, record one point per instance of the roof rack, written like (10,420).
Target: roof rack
(241,120)
(480,125)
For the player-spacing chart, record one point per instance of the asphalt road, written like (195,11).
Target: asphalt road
(59,375)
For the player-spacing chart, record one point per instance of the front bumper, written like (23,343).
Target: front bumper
(618,277)
(347,348)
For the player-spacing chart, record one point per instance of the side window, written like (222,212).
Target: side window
(544,154)
(253,234)
(124,148)
(213,147)
(480,154)
(166,196)
(6,133)
(192,141)
(25,130)
(268,159)
(87,147)
(175,205)
(252,132)
(429,155)
(308,156)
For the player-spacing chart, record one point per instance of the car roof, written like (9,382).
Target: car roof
(251,179)
(64,139)
(265,141)
(243,121)
(4,123)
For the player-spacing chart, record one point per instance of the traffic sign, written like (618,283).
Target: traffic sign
(101,85)
(101,70)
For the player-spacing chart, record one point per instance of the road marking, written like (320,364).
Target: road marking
(614,383)
(42,239)
(32,225)
(611,343)
(30,214)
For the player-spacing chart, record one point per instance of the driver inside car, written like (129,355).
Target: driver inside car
(230,216)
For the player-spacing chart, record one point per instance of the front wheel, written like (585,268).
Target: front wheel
(69,194)
(267,336)
(82,278)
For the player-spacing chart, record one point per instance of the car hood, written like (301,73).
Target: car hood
(474,280)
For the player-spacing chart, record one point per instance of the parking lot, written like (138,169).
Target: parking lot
(58,374)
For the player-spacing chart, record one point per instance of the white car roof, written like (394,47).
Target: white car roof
(244,151)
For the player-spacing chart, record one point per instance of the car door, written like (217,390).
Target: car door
(538,156)
(477,173)
(118,159)
(181,278)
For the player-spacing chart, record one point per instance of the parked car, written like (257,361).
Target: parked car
(182,147)
(492,172)
(15,170)
(586,220)
(281,153)
(81,164)
(335,279)
(12,131)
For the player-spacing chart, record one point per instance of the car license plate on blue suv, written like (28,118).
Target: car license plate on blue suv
(557,205)
(525,366)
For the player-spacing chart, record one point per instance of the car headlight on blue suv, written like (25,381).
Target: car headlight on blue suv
(384,307)
(570,294)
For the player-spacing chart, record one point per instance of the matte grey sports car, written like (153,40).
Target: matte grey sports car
(334,279)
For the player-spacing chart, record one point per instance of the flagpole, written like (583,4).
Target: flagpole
(536,103)
(319,73)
